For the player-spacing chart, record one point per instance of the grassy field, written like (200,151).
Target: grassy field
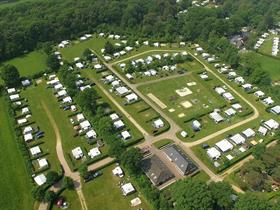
(104,193)
(269,64)
(40,118)
(202,100)
(162,143)
(266,47)
(77,48)
(15,183)
(30,63)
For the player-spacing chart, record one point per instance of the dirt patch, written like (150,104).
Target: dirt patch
(186,104)
(183,92)
(157,101)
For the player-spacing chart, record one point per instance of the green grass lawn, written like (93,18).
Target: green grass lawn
(41,119)
(201,176)
(203,100)
(104,193)
(77,48)
(269,64)
(30,63)
(266,47)
(162,143)
(15,183)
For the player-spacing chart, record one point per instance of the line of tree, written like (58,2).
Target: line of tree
(27,25)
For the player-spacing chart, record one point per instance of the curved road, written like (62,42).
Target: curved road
(67,171)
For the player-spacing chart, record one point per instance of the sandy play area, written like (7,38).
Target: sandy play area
(183,92)
(156,100)
(186,104)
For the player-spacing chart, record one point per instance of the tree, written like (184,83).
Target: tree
(87,100)
(190,194)
(52,177)
(38,193)
(222,193)
(53,62)
(87,54)
(109,48)
(258,151)
(83,170)
(68,183)
(131,159)
(276,174)
(250,201)
(10,75)
(50,196)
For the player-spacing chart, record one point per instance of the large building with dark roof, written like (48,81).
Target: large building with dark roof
(156,170)
(183,163)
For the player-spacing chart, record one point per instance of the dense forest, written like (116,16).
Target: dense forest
(27,25)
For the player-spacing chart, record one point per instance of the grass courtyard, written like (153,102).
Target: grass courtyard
(199,100)
(104,193)
(30,63)
(14,177)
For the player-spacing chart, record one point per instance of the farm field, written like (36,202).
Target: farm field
(14,177)
(196,104)
(26,64)
(105,191)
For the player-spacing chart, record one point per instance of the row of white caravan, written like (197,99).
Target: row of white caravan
(29,134)
(239,139)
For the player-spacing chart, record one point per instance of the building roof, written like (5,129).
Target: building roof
(156,170)
(94,152)
(224,145)
(184,164)
(118,171)
(276,109)
(114,116)
(158,123)
(216,117)
(249,132)
(125,135)
(42,162)
(77,153)
(40,179)
(213,153)
(237,139)
(122,90)
(35,150)
(271,124)
(127,189)
(119,124)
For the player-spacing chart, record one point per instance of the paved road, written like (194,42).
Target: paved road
(67,171)
(174,128)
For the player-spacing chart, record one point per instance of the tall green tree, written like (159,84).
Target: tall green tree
(251,201)
(190,194)
(10,75)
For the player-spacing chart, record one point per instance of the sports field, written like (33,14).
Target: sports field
(104,192)
(14,177)
(30,63)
